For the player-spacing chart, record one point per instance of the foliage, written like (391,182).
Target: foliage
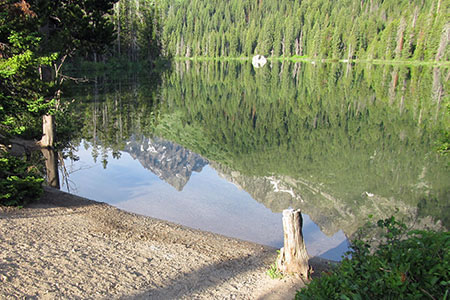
(273,271)
(323,29)
(21,100)
(405,265)
(71,27)
(20,182)
(35,39)
(443,144)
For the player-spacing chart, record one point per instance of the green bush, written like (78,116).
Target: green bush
(20,183)
(405,265)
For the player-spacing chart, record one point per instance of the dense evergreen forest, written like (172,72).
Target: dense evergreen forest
(363,29)
(319,29)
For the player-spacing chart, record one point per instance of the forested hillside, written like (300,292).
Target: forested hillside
(361,29)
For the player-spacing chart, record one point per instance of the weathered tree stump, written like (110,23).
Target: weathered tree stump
(293,258)
(48,130)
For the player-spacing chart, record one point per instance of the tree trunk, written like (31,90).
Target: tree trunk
(445,36)
(400,38)
(117,12)
(51,164)
(48,130)
(293,258)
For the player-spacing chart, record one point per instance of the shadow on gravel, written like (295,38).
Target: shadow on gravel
(51,198)
(188,284)
(56,198)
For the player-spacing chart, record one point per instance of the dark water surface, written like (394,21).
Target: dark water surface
(225,148)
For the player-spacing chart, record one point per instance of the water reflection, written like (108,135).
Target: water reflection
(51,166)
(346,142)
(169,161)
(339,143)
(207,201)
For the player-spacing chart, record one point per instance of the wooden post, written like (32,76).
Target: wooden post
(293,258)
(48,130)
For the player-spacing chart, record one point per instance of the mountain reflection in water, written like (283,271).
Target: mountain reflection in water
(169,161)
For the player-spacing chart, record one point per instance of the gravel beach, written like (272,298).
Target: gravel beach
(64,246)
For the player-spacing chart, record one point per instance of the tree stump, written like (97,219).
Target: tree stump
(48,130)
(293,258)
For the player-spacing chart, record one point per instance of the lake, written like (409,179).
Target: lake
(223,147)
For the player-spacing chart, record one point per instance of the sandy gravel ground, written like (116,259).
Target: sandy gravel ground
(67,247)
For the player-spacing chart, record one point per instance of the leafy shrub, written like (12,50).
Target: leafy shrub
(273,271)
(20,183)
(405,265)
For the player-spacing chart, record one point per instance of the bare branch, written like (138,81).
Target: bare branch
(76,79)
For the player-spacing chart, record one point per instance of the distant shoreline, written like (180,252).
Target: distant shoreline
(320,60)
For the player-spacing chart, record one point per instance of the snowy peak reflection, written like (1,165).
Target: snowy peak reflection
(325,208)
(169,161)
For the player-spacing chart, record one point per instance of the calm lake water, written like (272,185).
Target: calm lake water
(224,147)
